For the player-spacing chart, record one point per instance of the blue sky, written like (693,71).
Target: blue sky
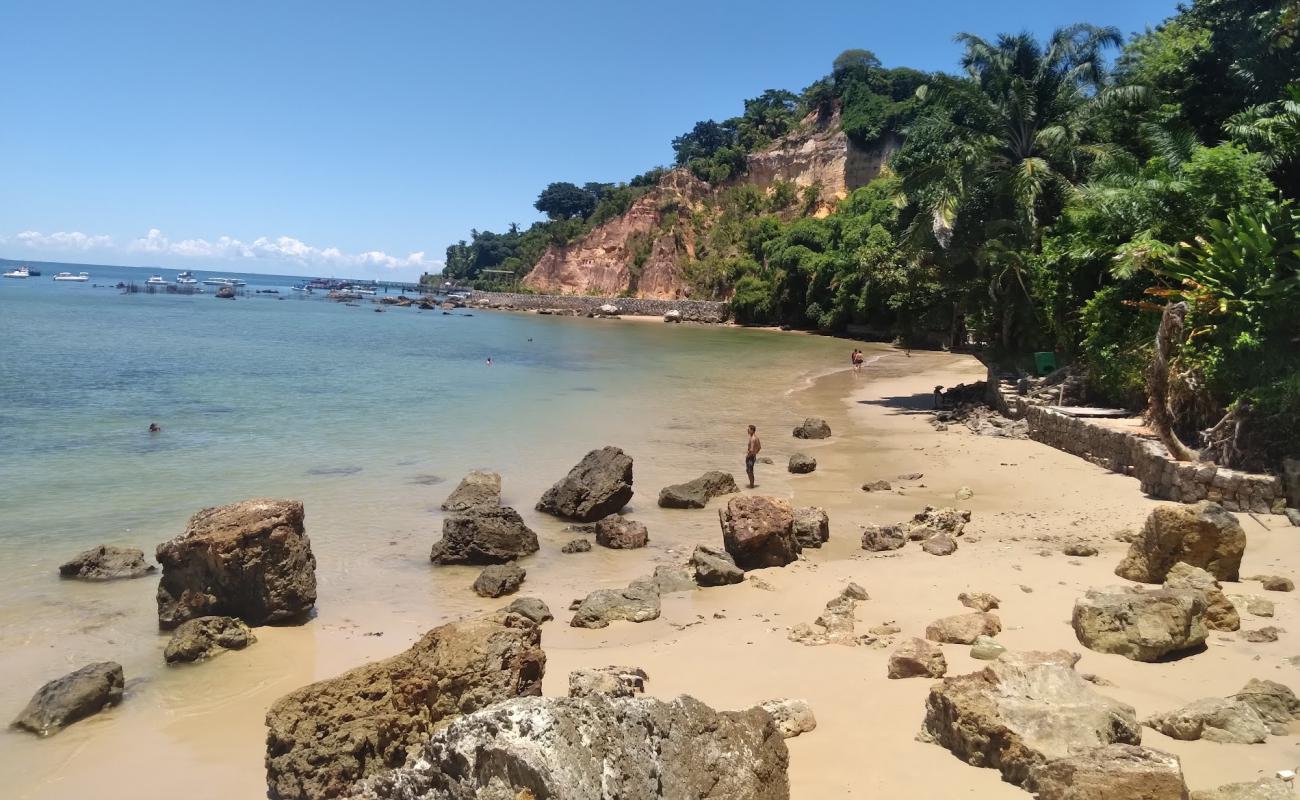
(362,138)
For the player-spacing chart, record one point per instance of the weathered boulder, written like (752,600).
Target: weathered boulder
(877,486)
(792,716)
(714,567)
(1268,633)
(324,737)
(986,648)
(593,748)
(878,538)
(980,601)
(613,681)
(75,696)
(1262,789)
(639,602)
(599,485)
(813,428)
(1203,535)
(759,531)
(1259,606)
(1022,711)
(697,493)
(1274,583)
(940,545)
(1275,703)
(107,562)
(668,579)
(1081,550)
(963,628)
(802,463)
(204,637)
(1142,626)
(1113,772)
(531,607)
(250,560)
(483,535)
(1214,719)
(1220,613)
(498,580)
(812,526)
(917,658)
(478,488)
(576,546)
(617,532)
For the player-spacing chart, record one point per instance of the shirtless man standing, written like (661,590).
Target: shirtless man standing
(751,454)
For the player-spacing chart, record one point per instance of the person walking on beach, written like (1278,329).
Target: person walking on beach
(857,360)
(751,454)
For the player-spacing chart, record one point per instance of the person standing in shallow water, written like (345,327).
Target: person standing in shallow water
(751,454)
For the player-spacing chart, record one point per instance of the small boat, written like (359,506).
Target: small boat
(303,289)
(80,277)
(20,272)
(186,279)
(359,290)
(156,280)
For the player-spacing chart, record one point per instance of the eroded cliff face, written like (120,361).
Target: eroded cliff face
(643,252)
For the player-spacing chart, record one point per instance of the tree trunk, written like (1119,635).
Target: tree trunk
(1161,420)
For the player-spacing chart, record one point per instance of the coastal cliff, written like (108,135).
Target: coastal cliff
(643,252)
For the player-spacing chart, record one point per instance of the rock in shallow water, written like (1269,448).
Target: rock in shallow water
(617,532)
(714,567)
(697,493)
(594,748)
(478,488)
(499,580)
(531,607)
(483,535)
(75,696)
(107,562)
(813,428)
(599,485)
(802,464)
(204,637)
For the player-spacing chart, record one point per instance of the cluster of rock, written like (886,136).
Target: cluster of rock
(1261,708)
(937,529)
(583,305)
(837,623)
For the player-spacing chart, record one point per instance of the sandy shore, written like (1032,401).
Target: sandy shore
(202,727)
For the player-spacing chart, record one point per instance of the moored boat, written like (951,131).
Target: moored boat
(20,272)
(80,277)
(186,279)
(157,280)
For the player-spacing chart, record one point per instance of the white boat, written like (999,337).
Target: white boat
(359,290)
(20,272)
(157,280)
(80,277)
(224,282)
(186,279)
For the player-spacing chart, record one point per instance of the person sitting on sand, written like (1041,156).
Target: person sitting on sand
(751,454)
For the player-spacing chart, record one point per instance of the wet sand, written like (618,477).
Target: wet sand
(199,730)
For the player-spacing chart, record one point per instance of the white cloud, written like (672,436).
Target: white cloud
(62,240)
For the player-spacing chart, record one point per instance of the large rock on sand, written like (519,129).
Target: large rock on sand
(1220,613)
(878,538)
(75,696)
(917,658)
(499,580)
(617,532)
(478,488)
(639,602)
(594,748)
(1203,535)
(758,531)
(204,637)
(1022,711)
(1142,626)
(323,738)
(963,628)
(714,567)
(600,485)
(106,563)
(812,526)
(483,535)
(1215,719)
(614,681)
(250,560)
(698,493)
(1114,772)
(1276,704)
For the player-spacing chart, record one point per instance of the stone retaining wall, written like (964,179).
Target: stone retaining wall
(1149,462)
(690,310)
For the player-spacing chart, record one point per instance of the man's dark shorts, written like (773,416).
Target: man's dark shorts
(749,463)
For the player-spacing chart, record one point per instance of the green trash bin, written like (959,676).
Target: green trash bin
(1044,363)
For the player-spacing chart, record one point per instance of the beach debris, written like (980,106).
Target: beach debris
(792,716)
(1080,550)
(878,538)
(533,608)
(612,681)
(1024,710)
(639,602)
(758,531)
(877,486)
(203,637)
(698,492)
(963,628)
(1275,703)
(617,532)
(1215,719)
(250,559)
(483,535)
(1203,535)
(576,546)
(940,544)
(597,486)
(813,428)
(714,567)
(802,464)
(964,493)
(1264,635)
(562,747)
(1113,772)
(1141,626)
(324,737)
(107,562)
(1259,606)
(72,697)
(1220,613)
(986,648)
(1262,789)
(1273,583)
(812,526)
(498,580)
(478,488)
(670,578)
(917,658)
(980,601)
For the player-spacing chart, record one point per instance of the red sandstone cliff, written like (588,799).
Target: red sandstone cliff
(638,254)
